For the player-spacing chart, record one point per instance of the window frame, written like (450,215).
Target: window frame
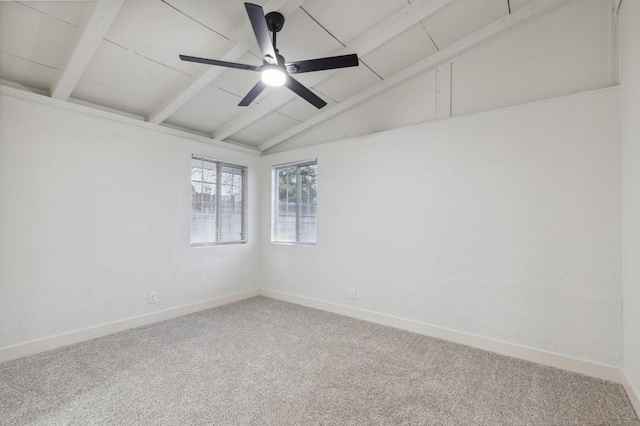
(275,198)
(219,165)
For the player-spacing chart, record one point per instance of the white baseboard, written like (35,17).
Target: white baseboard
(589,368)
(632,391)
(576,365)
(36,346)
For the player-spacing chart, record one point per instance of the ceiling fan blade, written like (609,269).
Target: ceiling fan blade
(260,29)
(305,93)
(333,62)
(220,63)
(253,93)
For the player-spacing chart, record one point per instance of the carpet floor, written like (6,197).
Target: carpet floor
(266,362)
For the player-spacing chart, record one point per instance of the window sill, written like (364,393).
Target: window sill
(201,245)
(291,243)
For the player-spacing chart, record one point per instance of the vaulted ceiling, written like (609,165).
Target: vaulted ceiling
(122,56)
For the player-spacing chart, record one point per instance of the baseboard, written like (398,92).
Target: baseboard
(589,368)
(576,365)
(632,392)
(36,346)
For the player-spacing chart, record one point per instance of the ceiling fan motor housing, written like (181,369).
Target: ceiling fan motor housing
(275,21)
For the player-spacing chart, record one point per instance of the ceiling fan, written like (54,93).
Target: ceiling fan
(274,70)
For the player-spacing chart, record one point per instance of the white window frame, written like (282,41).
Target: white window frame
(218,202)
(274,197)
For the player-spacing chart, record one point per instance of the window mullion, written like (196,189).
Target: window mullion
(218,202)
(202,198)
(243,229)
(200,217)
(274,197)
(298,203)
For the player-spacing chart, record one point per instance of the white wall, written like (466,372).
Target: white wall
(505,225)
(566,52)
(563,53)
(630,150)
(94,214)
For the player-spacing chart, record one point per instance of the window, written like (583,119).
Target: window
(295,200)
(218,207)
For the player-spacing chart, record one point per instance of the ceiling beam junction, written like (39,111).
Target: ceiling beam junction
(480,38)
(372,39)
(234,48)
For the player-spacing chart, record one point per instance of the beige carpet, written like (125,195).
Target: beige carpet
(267,362)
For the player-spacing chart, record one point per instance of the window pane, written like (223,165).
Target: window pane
(203,228)
(231,200)
(217,202)
(295,204)
(286,205)
(287,185)
(209,176)
(203,217)
(307,205)
(196,170)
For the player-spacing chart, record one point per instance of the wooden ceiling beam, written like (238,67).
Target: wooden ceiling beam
(234,48)
(484,36)
(96,22)
(372,39)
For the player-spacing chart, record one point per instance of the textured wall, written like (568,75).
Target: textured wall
(505,225)
(630,147)
(94,214)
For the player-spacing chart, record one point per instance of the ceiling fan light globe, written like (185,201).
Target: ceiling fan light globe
(273,76)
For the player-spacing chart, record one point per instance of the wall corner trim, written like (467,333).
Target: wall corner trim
(632,391)
(53,342)
(564,362)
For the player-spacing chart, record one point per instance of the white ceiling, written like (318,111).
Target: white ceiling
(123,56)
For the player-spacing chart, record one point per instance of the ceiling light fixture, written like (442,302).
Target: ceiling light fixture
(274,70)
(272,75)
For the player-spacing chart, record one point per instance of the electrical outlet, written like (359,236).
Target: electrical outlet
(352,292)
(152,297)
